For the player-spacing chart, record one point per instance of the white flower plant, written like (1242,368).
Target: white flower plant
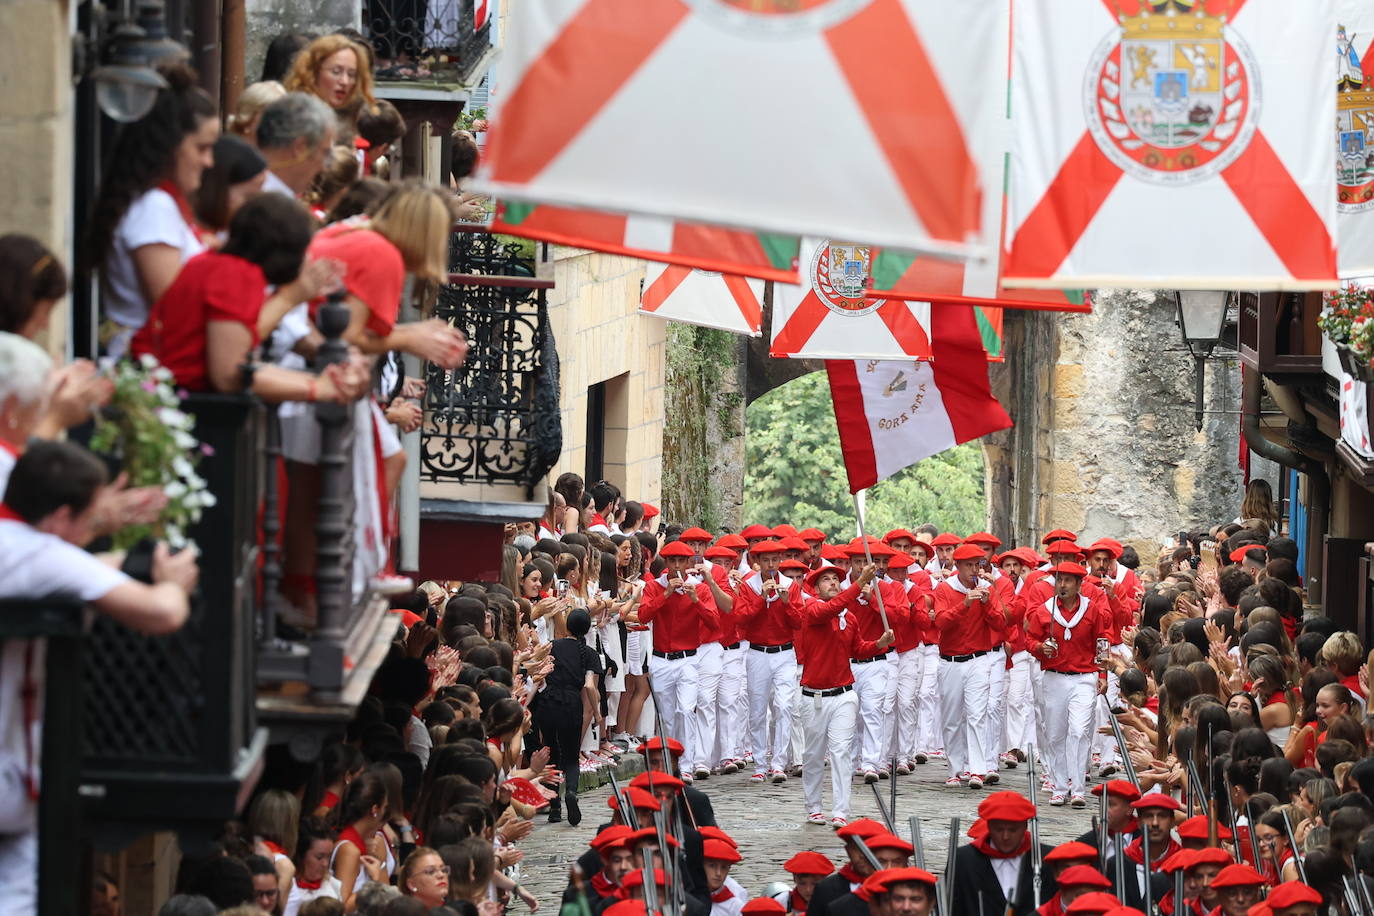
(145,428)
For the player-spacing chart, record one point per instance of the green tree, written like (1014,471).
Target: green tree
(795,473)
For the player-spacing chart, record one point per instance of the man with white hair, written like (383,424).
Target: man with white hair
(25,369)
(295,135)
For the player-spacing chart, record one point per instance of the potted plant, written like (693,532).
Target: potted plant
(1347,319)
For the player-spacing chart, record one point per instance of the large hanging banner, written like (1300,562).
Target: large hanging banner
(855,118)
(1177,144)
(1354,140)
(706,298)
(654,238)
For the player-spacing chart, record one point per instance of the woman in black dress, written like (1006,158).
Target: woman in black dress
(558,707)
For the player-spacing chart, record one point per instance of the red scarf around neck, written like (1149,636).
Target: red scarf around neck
(603,886)
(722,895)
(984,845)
(1136,851)
(796,903)
(849,874)
(309,885)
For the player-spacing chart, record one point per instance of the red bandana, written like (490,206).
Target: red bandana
(183,205)
(603,886)
(722,895)
(984,845)
(274,848)
(1136,851)
(1052,907)
(309,885)
(849,874)
(796,903)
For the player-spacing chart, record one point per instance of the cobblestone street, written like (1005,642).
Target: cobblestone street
(767,822)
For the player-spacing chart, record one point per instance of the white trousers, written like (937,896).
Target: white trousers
(870,683)
(929,734)
(675,691)
(1105,743)
(798,746)
(997,709)
(732,704)
(828,723)
(772,689)
(1067,703)
(906,678)
(710,660)
(964,712)
(1021,703)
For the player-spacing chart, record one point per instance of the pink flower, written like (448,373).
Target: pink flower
(149,386)
(207,449)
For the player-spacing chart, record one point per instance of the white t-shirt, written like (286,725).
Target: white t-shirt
(329,887)
(34,565)
(152,219)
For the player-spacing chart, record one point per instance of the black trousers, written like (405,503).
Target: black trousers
(559,719)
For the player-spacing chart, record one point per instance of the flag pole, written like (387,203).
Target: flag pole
(868,555)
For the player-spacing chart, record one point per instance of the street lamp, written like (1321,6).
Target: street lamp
(1202,316)
(127,81)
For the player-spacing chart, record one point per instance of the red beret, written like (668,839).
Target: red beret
(1210,855)
(626,908)
(1058,534)
(864,827)
(875,548)
(676,549)
(909,874)
(873,885)
(650,510)
(1096,902)
(979,829)
(831,552)
(784,531)
(767,547)
(887,840)
(1195,828)
(811,534)
(968,552)
(1108,545)
(636,878)
(614,837)
(793,564)
(656,744)
(715,833)
(1118,787)
(983,537)
(1181,859)
(638,798)
(814,575)
(1027,556)
(720,851)
(650,835)
(896,533)
(695,534)
(809,863)
(1291,893)
(657,779)
(795,543)
(901,561)
(1239,553)
(757,531)
(922,546)
(732,542)
(946,540)
(1115,911)
(1070,851)
(718,552)
(1081,876)
(1156,800)
(763,905)
(1006,806)
(1069,569)
(1063,547)
(1237,876)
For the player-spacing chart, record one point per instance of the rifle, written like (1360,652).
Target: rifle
(1103,830)
(892,786)
(1119,862)
(867,853)
(919,848)
(1352,900)
(1121,746)
(1149,884)
(1037,885)
(1293,845)
(882,809)
(947,905)
(1196,787)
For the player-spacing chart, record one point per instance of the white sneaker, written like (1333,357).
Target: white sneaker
(870,776)
(975,782)
(1057,800)
(992,778)
(815,817)
(953,783)
(1078,801)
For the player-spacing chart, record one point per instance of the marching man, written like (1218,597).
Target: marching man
(874,669)
(1064,634)
(969,625)
(911,632)
(766,616)
(732,699)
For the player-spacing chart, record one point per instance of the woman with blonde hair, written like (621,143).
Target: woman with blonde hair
(338,70)
(273,820)
(244,120)
(1259,503)
(341,170)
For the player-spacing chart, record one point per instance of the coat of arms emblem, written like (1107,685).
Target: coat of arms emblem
(841,276)
(1354,130)
(1171,93)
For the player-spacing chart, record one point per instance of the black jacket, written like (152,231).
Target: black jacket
(828,890)
(848,905)
(977,892)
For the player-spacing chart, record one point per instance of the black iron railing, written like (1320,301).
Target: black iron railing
(441,38)
(495,419)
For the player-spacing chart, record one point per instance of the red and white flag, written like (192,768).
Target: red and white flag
(834,314)
(1354,139)
(1177,144)
(853,118)
(712,300)
(892,413)
(654,238)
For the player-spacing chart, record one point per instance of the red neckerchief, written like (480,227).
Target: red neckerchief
(350,835)
(1136,851)
(603,886)
(984,845)
(1132,826)
(722,895)
(309,885)
(849,874)
(1051,907)
(183,205)
(9,447)
(274,848)
(796,903)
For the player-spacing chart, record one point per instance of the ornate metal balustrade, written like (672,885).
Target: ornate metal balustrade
(495,419)
(431,40)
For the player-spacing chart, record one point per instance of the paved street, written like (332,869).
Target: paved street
(767,822)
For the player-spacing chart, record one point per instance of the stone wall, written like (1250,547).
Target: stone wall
(601,337)
(266,19)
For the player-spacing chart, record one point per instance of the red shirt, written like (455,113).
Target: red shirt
(374,270)
(766,623)
(870,622)
(827,646)
(210,287)
(909,630)
(676,617)
(1077,652)
(962,629)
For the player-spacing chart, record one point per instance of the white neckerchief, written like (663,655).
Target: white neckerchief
(1016,590)
(688,581)
(957,584)
(756,583)
(1120,575)
(1068,625)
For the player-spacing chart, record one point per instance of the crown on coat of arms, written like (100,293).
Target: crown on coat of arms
(1172,19)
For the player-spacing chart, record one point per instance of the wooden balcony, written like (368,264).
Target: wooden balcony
(1279,337)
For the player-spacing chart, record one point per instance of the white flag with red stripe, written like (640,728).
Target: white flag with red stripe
(893,413)
(1353,143)
(1173,144)
(712,300)
(873,107)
